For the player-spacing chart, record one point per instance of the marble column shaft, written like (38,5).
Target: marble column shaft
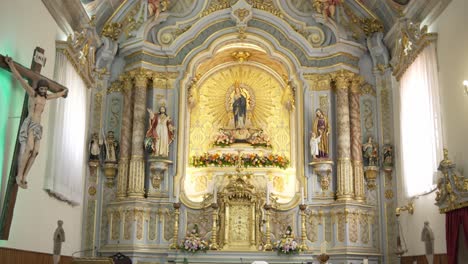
(136,181)
(344,168)
(126,136)
(356,153)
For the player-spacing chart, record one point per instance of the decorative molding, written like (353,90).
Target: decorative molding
(411,41)
(368,89)
(115,87)
(112,30)
(80,49)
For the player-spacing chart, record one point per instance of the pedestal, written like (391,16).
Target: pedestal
(158,167)
(323,169)
(93,166)
(110,170)
(371,172)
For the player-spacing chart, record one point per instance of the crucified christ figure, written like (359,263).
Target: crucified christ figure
(31,129)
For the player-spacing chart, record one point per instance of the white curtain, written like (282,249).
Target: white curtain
(420,123)
(66,164)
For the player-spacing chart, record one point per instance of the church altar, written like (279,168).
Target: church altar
(240,257)
(241,139)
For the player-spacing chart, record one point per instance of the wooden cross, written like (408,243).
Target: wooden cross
(33,75)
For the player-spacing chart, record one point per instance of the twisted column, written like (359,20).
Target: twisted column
(136,181)
(344,168)
(356,153)
(125,136)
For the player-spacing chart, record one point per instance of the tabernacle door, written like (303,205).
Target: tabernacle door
(240,224)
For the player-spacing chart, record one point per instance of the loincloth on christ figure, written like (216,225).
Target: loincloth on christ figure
(28,125)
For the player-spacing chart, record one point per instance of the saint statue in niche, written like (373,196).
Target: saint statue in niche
(239,107)
(321,129)
(370,152)
(111,148)
(160,133)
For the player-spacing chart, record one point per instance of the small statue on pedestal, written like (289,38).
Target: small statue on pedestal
(427,236)
(111,148)
(387,156)
(370,153)
(59,238)
(95,147)
(160,133)
(321,128)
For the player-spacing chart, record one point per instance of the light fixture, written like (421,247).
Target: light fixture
(465,85)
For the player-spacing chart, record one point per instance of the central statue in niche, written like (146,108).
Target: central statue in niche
(239,107)
(239,104)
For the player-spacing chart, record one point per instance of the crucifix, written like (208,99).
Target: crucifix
(30,133)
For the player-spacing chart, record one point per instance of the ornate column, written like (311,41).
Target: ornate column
(268,246)
(344,168)
(125,136)
(356,153)
(136,181)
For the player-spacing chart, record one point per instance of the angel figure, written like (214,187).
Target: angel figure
(160,133)
(326,7)
(155,7)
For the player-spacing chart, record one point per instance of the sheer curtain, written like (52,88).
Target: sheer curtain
(420,124)
(66,165)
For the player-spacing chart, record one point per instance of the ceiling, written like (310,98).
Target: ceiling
(385,10)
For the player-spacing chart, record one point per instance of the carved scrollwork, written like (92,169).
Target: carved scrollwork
(452,188)
(412,40)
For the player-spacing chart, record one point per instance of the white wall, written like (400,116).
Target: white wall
(25,24)
(452,52)
(452,49)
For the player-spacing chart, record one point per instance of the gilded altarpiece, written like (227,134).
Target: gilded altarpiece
(294,67)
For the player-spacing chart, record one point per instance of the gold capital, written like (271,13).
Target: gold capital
(141,78)
(342,79)
(356,84)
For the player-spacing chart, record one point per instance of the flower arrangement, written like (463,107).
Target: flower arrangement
(260,139)
(223,139)
(245,160)
(193,243)
(287,244)
(255,137)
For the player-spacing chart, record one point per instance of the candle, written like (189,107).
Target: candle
(215,194)
(365,261)
(268,193)
(323,247)
(302,195)
(177,195)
